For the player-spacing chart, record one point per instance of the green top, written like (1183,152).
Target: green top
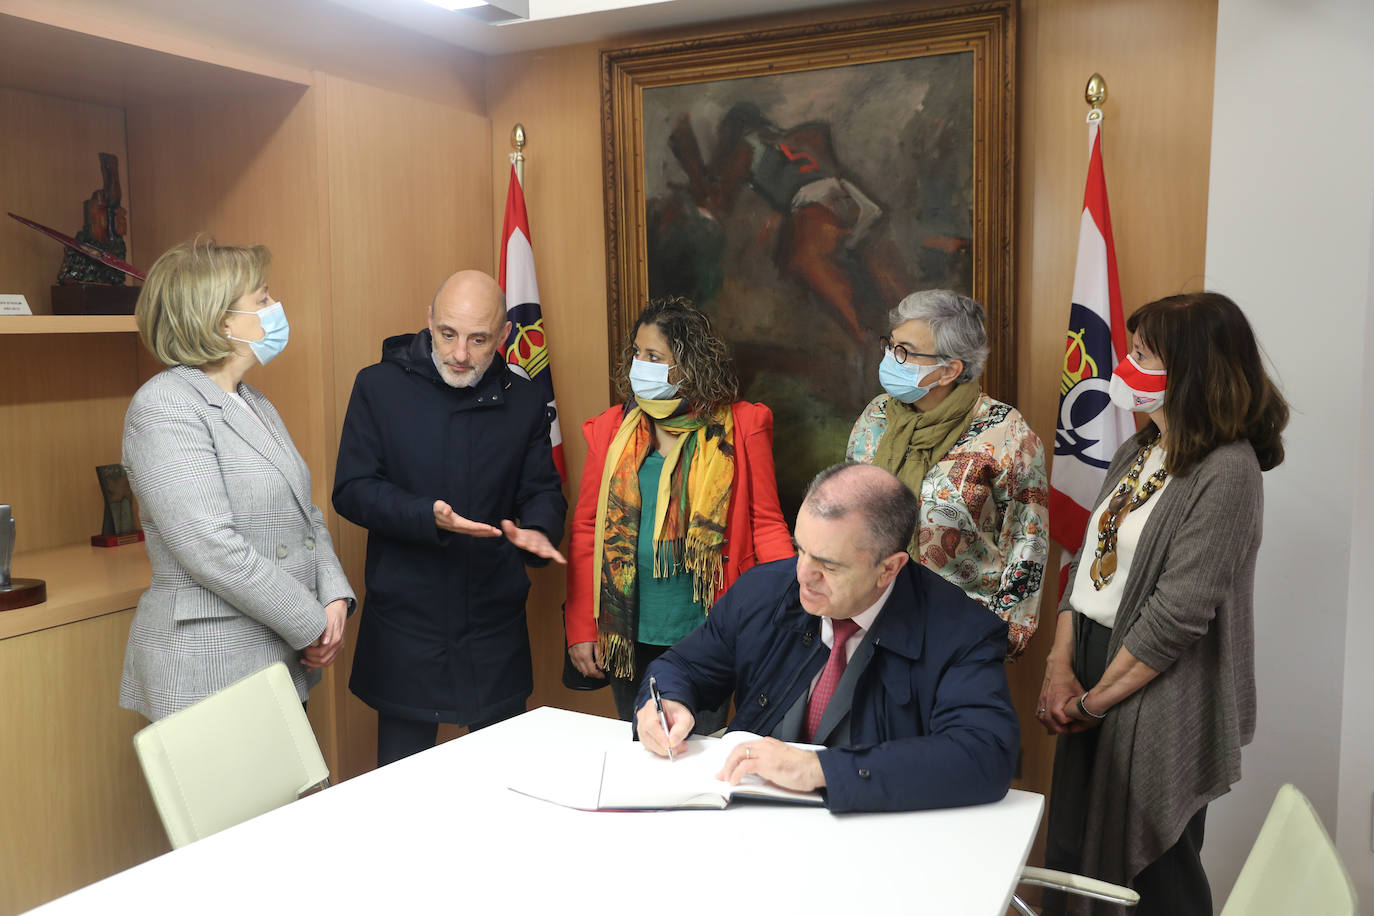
(667,611)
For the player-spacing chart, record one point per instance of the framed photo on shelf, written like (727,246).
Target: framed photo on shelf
(796,183)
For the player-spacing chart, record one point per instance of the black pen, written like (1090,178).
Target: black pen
(662,719)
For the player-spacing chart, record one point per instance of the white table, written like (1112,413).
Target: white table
(440,832)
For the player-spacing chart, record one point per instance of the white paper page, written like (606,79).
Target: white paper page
(636,777)
(757,785)
(570,779)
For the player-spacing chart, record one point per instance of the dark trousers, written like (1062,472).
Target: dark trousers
(1176,881)
(625,689)
(399,738)
(1172,885)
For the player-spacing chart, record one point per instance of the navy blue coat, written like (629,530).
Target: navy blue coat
(443,635)
(932,723)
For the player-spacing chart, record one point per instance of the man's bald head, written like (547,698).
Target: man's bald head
(467,320)
(470,289)
(889,509)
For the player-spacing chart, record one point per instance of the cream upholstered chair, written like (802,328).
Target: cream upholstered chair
(1292,868)
(236,754)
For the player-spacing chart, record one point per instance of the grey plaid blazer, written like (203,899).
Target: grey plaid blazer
(242,562)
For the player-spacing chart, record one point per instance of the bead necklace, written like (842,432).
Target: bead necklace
(1126,498)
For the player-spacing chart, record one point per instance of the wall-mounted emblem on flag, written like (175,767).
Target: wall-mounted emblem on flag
(527,349)
(1090,427)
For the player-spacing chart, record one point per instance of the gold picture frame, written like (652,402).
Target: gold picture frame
(909,121)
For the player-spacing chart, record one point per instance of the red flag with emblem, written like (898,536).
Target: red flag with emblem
(527,349)
(1090,427)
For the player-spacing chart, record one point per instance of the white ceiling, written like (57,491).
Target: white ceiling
(563,22)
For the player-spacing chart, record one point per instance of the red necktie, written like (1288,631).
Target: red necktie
(830,676)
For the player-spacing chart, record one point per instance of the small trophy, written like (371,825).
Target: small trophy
(15,593)
(119,526)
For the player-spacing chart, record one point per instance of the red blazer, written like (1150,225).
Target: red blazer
(754,533)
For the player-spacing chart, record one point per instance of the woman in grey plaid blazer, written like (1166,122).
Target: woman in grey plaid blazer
(244,571)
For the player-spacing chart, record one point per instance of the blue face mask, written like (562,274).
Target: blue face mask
(650,381)
(903,382)
(275,332)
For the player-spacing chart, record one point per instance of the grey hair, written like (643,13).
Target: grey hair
(890,510)
(958,324)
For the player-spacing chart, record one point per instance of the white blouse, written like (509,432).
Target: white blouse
(1101,606)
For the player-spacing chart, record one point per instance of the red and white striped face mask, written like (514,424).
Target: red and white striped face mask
(1137,389)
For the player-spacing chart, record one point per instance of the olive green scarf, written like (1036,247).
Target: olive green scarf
(916,440)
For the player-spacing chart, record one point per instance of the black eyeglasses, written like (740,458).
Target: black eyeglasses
(902,354)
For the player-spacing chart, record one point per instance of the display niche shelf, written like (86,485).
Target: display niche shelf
(82,581)
(67,324)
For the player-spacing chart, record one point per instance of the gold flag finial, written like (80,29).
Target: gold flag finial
(517,158)
(1095,94)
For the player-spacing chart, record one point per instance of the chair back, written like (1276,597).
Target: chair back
(238,753)
(1293,866)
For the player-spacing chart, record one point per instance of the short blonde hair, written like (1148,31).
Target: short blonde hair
(189,289)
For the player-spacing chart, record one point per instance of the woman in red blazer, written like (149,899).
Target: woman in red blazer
(678,498)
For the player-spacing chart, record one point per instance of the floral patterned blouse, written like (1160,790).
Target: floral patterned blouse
(984,511)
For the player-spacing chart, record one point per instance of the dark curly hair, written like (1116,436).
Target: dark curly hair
(1217,390)
(709,379)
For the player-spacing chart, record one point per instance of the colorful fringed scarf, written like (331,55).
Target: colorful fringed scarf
(689,522)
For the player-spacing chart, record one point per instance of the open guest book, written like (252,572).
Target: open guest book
(627,777)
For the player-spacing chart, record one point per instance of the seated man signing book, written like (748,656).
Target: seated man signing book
(913,708)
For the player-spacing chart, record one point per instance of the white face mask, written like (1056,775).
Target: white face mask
(650,381)
(1135,388)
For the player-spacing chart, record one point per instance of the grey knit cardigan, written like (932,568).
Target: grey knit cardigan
(1187,611)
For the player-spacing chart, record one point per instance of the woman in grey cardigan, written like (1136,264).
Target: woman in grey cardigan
(1150,683)
(244,571)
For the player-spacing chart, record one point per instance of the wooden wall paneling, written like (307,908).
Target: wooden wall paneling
(1157,59)
(409,188)
(555,93)
(75,807)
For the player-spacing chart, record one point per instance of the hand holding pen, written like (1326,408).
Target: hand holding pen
(663,723)
(662,719)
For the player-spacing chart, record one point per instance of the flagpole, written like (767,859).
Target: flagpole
(517,140)
(1090,428)
(1095,94)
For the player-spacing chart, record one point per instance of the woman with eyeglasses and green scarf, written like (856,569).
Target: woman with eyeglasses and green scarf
(975,464)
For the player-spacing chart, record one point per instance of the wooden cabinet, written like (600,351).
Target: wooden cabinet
(74,807)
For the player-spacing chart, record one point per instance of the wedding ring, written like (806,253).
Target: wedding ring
(748,753)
